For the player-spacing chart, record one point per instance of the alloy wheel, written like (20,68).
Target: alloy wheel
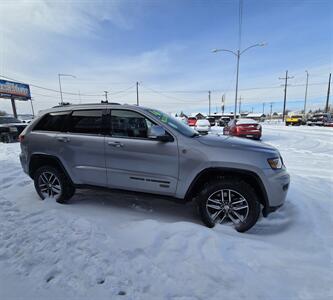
(49,185)
(227,205)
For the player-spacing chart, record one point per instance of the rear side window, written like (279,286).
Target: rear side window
(86,121)
(52,122)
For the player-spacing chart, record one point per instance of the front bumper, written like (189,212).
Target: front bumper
(277,185)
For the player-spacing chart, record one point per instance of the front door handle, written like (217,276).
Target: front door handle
(116,144)
(63,139)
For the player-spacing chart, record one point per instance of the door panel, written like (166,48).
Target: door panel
(142,165)
(82,147)
(137,163)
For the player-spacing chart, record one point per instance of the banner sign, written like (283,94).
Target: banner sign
(10,89)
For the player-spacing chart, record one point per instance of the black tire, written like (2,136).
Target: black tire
(66,188)
(238,186)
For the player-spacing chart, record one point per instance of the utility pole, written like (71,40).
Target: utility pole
(223,102)
(306,91)
(285,93)
(106,95)
(252,109)
(137,93)
(263,108)
(209,92)
(240,105)
(328,93)
(271,104)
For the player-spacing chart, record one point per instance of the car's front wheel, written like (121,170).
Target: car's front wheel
(229,200)
(52,183)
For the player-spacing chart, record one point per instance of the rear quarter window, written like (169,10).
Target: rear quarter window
(52,122)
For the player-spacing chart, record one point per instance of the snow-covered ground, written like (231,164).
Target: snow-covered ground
(109,246)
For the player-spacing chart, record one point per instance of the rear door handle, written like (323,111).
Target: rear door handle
(116,144)
(63,139)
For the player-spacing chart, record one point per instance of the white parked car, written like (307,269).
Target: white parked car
(202,126)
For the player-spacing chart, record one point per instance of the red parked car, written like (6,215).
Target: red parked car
(243,128)
(191,121)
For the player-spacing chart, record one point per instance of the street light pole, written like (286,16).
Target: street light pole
(137,93)
(328,93)
(238,54)
(62,102)
(209,92)
(306,91)
(59,75)
(236,92)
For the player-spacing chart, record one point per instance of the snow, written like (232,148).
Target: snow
(107,246)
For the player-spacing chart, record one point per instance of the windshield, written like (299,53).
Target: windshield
(173,122)
(7,120)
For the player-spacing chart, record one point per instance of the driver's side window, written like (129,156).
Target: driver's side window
(127,123)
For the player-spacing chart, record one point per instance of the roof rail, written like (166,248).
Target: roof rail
(84,104)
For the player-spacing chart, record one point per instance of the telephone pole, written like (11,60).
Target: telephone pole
(271,104)
(285,93)
(263,108)
(240,105)
(106,95)
(223,102)
(306,91)
(328,93)
(209,92)
(137,93)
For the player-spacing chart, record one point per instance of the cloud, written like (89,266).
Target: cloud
(62,17)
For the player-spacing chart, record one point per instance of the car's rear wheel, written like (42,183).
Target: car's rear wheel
(50,182)
(229,201)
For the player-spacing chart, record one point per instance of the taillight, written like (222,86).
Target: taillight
(21,138)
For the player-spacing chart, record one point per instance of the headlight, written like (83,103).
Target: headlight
(275,163)
(12,129)
(258,127)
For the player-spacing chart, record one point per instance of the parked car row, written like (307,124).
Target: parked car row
(320,119)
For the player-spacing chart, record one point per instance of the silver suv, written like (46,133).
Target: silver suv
(139,149)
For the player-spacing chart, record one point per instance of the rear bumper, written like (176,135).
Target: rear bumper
(250,135)
(24,163)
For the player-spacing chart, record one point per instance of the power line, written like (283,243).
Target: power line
(49,89)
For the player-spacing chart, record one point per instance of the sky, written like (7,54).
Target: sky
(166,47)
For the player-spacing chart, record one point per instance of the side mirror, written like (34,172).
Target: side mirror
(157,132)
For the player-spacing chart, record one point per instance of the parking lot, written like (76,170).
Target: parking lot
(105,244)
